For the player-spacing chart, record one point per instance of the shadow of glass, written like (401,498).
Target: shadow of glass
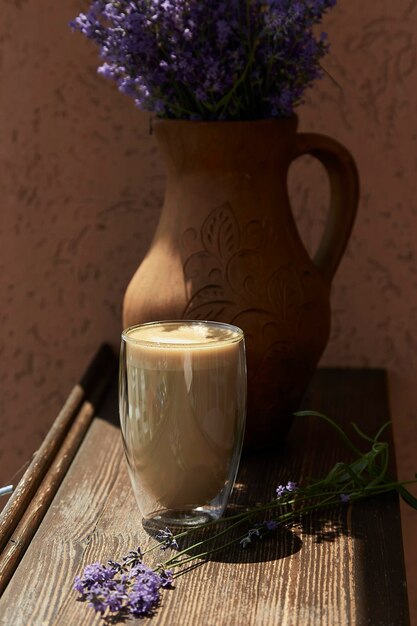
(274,545)
(226,543)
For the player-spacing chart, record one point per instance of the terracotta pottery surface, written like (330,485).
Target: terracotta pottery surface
(227,248)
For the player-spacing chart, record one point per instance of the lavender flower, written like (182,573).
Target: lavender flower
(271,524)
(253,533)
(282,490)
(245,541)
(167,539)
(143,595)
(127,588)
(209,60)
(166,576)
(258,532)
(133,557)
(291,486)
(344,497)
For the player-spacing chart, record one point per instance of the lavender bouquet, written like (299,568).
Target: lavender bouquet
(129,588)
(219,60)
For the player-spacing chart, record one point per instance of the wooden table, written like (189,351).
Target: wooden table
(75,506)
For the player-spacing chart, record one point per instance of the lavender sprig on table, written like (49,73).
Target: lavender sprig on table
(131,588)
(240,59)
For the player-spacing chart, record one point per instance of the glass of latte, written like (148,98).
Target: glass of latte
(182,401)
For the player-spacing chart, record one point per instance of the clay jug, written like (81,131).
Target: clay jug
(227,248)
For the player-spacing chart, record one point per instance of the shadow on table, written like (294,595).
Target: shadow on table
(278,544)
(274,545)
(250,542)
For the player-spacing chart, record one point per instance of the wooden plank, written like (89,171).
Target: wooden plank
(24,513)
(375,525)
(318,574)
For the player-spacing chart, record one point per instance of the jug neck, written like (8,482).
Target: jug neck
(220,147)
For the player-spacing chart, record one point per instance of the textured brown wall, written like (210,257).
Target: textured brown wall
(81,184)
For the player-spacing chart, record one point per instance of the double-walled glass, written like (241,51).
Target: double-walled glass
(182,400)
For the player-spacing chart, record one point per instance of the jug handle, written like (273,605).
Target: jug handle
(344,196)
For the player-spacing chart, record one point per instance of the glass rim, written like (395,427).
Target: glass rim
(195,344)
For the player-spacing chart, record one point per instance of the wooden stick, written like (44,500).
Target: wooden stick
(102,367)
(39,504)
(32,517)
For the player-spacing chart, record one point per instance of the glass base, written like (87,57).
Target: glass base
(188,518)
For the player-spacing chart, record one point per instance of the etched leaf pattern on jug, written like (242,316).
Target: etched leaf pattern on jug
(230,271)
